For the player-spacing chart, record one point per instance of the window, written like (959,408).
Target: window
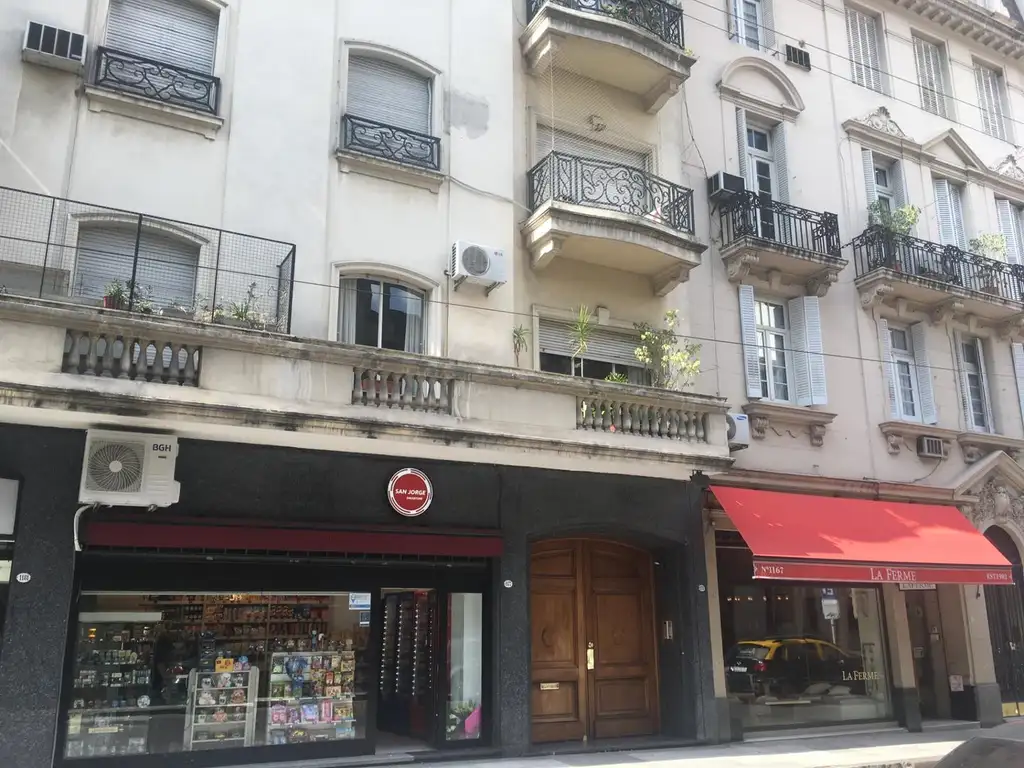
(387,93)
(553,140)
(883,180)
(931,77)
(752,23)
(610,354)
(763,160)
(911,395)
(782,349)
(991,101)
(974,383)
(950,212)
(1009,215)
(773,350)
(906,375)
(165,268)
(146,37)
(862,34)
(377,313)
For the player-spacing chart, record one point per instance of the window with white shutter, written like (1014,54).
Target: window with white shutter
(991,101)
(1017,352)
(950,212)
(865,58)
(930,61)
(752,22)
(175,32)
(911,394)
(883,180)
(385,92)
(974,387)
(1009,215)
(610,354)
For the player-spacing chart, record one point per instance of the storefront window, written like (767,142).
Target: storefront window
(155,674)
(800,653)
(465,667)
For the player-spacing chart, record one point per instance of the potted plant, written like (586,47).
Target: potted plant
(245,313)
(669,364)
(520,342)
(580,330)
(992,249)
(115,295)
(892,224)
(463,720)
(185,310)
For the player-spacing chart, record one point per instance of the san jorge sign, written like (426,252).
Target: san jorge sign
(833,572)
(410,492)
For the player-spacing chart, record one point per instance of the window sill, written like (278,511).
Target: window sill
(389,170)
(978,445)
(102,100)
(900,433)
(763,414)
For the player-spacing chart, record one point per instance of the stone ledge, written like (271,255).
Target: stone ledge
(103,100)
(763,414)
(898,432)
(389,170)
(776,263)
(978,445)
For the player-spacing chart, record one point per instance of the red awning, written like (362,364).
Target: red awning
(825,539)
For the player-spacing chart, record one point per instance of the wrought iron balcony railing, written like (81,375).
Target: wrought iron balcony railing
(661,19)
(368,137)
(79,253)
(156,80)
(877,248)
(749,215)
(601,184)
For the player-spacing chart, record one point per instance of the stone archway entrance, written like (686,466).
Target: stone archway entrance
(1005,608)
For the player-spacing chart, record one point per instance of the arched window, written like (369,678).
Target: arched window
(381,313)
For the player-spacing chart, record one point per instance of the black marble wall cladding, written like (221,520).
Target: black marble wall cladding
(988,704)
(906,705)
(269,484)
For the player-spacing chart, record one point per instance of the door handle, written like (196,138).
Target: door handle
(590,655)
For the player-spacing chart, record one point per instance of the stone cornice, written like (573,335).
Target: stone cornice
(994,31)
(834,486)
(763,414)
(897,433)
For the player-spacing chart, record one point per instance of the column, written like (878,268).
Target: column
(727,729)
(906,704)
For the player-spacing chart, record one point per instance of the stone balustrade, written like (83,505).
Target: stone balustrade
(125,356)
(652,418)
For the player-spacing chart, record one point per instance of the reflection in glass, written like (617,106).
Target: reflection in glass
(465,666)
(177,673)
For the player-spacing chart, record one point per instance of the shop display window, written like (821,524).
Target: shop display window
(800,654)
(154,674)
(465,666)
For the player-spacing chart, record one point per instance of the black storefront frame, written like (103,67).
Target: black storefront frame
(158,573)
(896,704)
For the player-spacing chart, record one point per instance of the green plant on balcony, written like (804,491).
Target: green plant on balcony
(670,363)
(115,295)
(580,329)
(893,221)
(520,341)
(245,313)
(992,248)
(617,377)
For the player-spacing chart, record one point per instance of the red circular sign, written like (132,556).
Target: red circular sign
(410,492)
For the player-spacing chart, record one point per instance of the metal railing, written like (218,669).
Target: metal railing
(749,215)
(601,184)
(661,19)
(877,248)
(92,255)
(368,137)
(156,80)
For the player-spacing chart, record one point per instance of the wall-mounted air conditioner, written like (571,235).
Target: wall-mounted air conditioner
(128,469)
(739,431)
(54,47)
(478,264)
(722,186)
(930,447)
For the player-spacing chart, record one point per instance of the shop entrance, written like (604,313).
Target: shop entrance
(594,670)
(930,671)
(1005,609)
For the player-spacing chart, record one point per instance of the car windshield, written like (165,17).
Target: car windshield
(748,651)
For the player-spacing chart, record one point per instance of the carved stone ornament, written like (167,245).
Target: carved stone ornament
(817,434)
(998,503)
(737,266)
(821,282)
(972,453)
(1009,167)
(880,120)
(894,443)
(758,427)
(944,311)
(874,295)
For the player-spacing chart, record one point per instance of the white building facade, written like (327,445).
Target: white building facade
(321,252)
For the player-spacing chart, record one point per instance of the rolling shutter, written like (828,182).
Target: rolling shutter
(175,32)
(555,338)
(551,139)
(748,329)
(388,93)
(166,271)
(923,371)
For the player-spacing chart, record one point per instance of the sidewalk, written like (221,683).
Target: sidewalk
(890,749)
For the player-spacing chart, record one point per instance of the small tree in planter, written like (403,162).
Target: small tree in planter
(580,330)
(892,224)
(993,248)
(520,342)
(668,364)
(115,295)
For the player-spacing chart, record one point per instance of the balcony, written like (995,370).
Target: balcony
(613,216)
(943,280)
(775,241)
(92,256)
(635,45)
(371,139)
(72,366)
(156,81)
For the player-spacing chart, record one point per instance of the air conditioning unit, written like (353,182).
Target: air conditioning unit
(798,57)
(128,469)
(739,431)
(53,47)
(930,448)
(478,264)
(724,185)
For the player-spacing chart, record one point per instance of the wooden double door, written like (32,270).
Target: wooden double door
(594,668)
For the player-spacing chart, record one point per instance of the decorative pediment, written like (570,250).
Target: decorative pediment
(950,147)
(878,131)
(1010,167)
(992,490)
(758,85)
(880,120)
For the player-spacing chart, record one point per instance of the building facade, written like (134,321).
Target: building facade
(389,291)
